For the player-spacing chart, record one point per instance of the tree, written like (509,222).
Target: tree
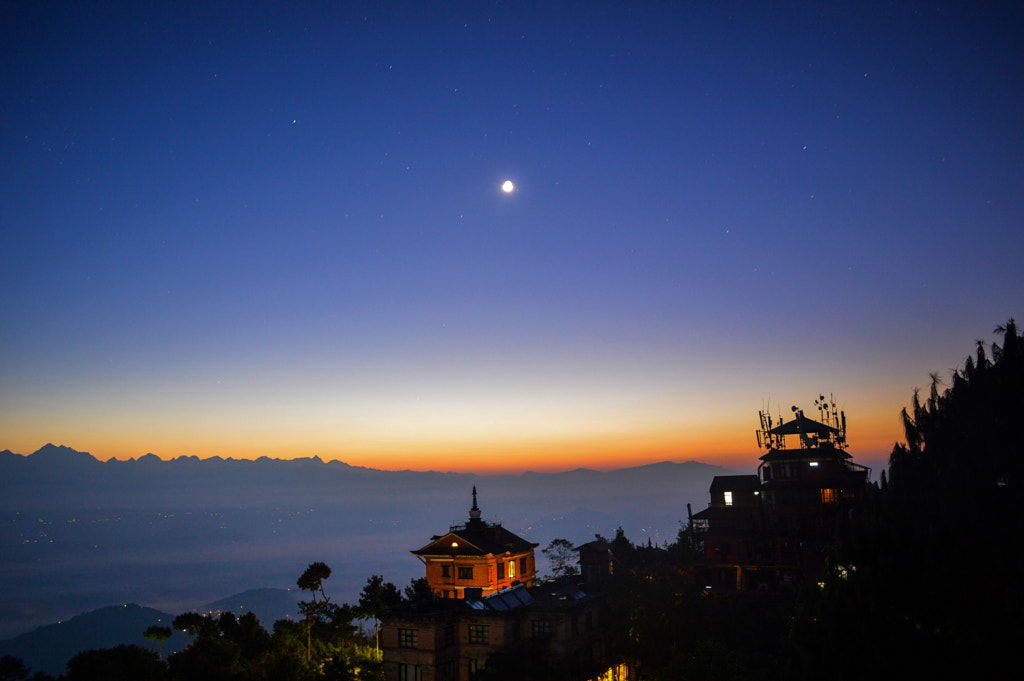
(188,622)
(376,597)
(562,556)
(121,662)
(929,581)
(159,635)
(288,658)
(12,668)
(312,580)
(418,591)
(354,664)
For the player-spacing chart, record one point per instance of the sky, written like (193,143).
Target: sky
(278,229)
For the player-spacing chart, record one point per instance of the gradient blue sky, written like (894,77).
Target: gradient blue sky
(277,229)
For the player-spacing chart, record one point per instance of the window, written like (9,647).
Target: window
(500,572)
(465,572)
(540,628)
(449,635)
(479,633)
(575,625)
(406,638)
(522,565)
(512,632)
(475,665)
(829,496)
(512,569)
(590,620)
(446,570)
(408,672)
(728,498)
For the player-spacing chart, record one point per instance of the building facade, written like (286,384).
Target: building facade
(551,627)
(773,530)
(477,555)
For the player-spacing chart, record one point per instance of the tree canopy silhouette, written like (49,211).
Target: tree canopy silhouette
(930,582)
(312,580)
(159,635)
(562,556)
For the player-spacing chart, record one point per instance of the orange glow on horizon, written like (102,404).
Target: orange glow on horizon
(737,449)
(496,437)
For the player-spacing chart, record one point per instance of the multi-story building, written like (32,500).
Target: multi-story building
(774,529)
(488,604)
(477,555)
(551,627)
(736,547)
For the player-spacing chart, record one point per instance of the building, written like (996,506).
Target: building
(737,547)
(489,606)
(553,626)
(477,555)
(773,530)
(595,561)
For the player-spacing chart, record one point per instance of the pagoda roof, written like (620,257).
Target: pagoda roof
(825,451)
(475,538)
(801,425)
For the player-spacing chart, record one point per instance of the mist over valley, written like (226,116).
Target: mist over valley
(79,534)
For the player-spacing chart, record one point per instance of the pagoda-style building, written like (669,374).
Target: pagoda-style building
(488,601)
(773,530)
(481,556)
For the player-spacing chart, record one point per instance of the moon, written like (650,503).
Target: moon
(508,187)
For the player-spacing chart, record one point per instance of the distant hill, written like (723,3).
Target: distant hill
(48,648)
(269,605)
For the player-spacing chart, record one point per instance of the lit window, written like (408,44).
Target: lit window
(466,572)
(406,638)
(829,496)
(728,498)
(479,633)
(511,569)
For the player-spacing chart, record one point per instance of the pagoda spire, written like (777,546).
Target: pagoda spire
(474,513)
